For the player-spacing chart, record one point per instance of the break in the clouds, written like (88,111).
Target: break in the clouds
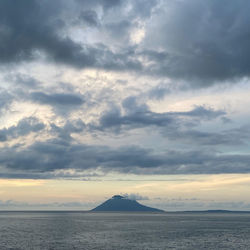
(136,87)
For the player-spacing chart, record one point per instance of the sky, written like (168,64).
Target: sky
(145,98)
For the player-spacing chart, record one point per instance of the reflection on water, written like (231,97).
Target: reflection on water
(76,230)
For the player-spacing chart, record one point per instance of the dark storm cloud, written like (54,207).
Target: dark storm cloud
(106,4)
(24,127)
(195,137)
(114,119)
(57,99)
(89,17)
(58,154)
(30,27)
(159,92)
(27,26)
(5,100)
(69,128)
(26,88)
(42,158)
(207,40)
(217,49)
(144,8)
(119,30)
(135,115)
(23,80)
(202,113)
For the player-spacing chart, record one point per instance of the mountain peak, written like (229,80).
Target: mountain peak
(118,197)
(120,203)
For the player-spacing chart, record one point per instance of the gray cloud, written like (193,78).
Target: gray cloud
(5,100)
(201,112)
(119,30)
(144,8)
(228,138)
(23,80)
(29,28)
(114,120)
(89,17)
(159,92)
(97,34)
(41,159)
(24,127)
(57,99)
(105,4)
(218,48)
(59,154)
(138,115)
(135,196)
(69,128)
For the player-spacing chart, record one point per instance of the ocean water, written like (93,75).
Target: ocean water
(81,230)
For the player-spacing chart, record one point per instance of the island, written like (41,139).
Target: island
(120,203)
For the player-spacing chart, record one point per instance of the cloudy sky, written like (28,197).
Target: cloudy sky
(145,97)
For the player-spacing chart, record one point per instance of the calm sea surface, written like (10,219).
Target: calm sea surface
(76,230)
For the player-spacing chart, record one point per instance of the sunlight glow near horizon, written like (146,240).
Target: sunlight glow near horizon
(183,191)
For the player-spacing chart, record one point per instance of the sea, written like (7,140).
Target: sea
(118,231)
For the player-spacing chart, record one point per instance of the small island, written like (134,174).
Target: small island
(120,203)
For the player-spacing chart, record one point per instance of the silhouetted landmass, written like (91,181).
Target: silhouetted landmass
(215,211)
(119,203)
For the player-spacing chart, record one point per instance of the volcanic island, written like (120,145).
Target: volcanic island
(120,203)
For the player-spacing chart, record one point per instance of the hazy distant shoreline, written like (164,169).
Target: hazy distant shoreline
(125,212)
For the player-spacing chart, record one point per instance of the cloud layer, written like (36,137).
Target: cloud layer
(139,87)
